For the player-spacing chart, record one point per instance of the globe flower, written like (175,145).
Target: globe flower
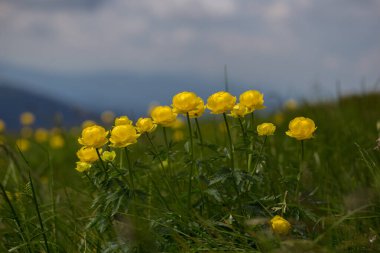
(107,117)
(57,141)
(41,135)
(83,166)
(252,99)
(2,126)
(23,144)
(87,154)
(145,125)
(108,156)
(123,136)
(123,120)
(301,128)
(279,225)
(27,118)
(220,102)
(164,115)
(26,132)
(88,123)
(184,102)
(266,129)
(199,109)
(238,111)
(93,136)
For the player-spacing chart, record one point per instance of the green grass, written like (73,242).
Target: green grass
(58,209)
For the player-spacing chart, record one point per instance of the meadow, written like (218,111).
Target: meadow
(220,182)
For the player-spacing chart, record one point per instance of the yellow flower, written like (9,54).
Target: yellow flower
(199,109)
(178,124)
(280,225)
(108,156)
(301,128)
(41,135)
(290,104)
(56,141)
(178,135)
(238,110)
(220,102)
(2,126)
(93,136)
(123,136)
(123,120)
(23,144)
(266,129)
(27,118)
(26,132)
(252,99)
(107,117)
(83,166)
(185,102)
(164,115)
(88,123)
(87,154)
(145,125)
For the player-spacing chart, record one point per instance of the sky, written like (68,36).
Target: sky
(116,53)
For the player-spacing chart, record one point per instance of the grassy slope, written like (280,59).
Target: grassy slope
(338,211)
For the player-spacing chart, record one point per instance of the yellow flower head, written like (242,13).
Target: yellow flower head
(23,144)
(41,135)
(291,104)
(252,99)
(56,141)
(178,135)
(266,129)
(108,156)
(199,109)
(27,118)
(301,128)
(93,136)
(83,166)
(123,120)
(2,126)
(123,136)
(145,125)
(280,225)
(87,154)
(178,124)
(164,115)
(88,123)
(107,117)
(26,132)
(185,102)
(220,102)
(238,111)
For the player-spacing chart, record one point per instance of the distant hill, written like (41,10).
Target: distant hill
(48,111)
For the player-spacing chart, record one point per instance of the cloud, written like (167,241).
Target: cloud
(274,41)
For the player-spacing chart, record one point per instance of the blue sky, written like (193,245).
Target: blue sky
(112,53)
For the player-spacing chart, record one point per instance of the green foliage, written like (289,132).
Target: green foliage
(142,202)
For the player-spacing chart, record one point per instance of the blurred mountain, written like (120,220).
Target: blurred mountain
(48,111)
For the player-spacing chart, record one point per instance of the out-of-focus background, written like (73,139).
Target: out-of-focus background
(82,57)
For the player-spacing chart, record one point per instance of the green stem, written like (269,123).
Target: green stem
(154,150)
(167,147)
(191,161)
(162,166)
(199,135)
(258,158)
(300,171)
(101,162)
(249,162)
(229,141)
(130,171)
(39,214)
(22,233)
